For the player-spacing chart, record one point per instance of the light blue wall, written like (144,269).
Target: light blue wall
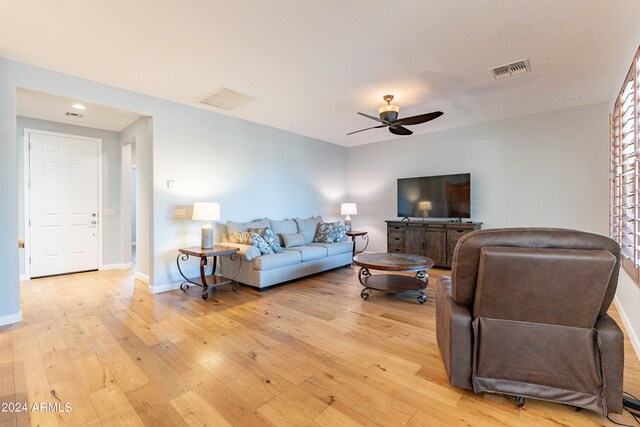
(9,277)
(541,170)
(133,205)
(252,170)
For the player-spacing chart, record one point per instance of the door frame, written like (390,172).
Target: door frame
(27,193)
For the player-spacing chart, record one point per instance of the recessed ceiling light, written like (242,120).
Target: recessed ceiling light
(79,107)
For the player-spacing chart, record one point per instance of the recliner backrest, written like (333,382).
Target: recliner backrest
(542,285)
(552,242)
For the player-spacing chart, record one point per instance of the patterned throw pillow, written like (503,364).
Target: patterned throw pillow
(342,233)
(268,237)
(327,232)
(253,239)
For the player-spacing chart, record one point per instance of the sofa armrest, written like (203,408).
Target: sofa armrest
(611,343)
(454,334)
(247,252)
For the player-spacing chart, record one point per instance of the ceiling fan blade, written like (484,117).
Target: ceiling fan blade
(375,118)
(399,130)
(362,130)
(422,118)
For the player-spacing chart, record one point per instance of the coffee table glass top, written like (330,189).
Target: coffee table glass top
(393,261)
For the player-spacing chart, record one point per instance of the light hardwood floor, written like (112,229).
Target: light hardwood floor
(307,353)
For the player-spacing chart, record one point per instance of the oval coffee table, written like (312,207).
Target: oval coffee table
(395,262)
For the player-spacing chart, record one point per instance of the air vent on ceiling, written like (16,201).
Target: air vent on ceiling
(227,99)
(76,115)
(509,70)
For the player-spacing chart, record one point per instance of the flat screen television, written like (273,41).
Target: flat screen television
(443,196)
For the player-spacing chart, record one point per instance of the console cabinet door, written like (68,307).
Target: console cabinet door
(413,240)
(435,244)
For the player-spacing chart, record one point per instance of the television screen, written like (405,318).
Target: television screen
(444,196)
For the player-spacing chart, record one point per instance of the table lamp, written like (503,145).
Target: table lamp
(206,212)
(348,209)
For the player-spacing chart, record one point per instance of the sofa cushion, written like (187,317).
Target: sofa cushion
(308,227)
(237,227)
(269,237)
(286,226)
(293,239)
(309,253)
(270,261)
(335,248)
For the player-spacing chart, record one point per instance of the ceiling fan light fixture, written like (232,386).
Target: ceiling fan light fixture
(389,107)
(389,112)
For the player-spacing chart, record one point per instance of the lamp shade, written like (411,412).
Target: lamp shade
(206,211)
(348,209)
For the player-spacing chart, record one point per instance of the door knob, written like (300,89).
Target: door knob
(94,222)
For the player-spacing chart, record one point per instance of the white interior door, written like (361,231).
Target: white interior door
(63,204)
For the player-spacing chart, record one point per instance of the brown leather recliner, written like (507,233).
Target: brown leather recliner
(524,313)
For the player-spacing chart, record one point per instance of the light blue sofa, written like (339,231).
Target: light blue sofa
(263,271)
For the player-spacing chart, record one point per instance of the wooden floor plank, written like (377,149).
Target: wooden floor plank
(113,408)
(153,408)
(197,412)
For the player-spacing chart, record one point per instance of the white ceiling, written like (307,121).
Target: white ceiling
(312,64)
(54,108)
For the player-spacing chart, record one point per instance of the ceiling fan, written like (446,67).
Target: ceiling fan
(389,118)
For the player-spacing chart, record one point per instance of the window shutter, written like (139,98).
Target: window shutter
(624,208)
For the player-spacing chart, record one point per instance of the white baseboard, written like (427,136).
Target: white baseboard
(164,288)
(142,277)
(116,266)
(633,334)
(12,318)
(24,278)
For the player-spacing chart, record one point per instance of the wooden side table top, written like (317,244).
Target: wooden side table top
(356,233)
(217,250)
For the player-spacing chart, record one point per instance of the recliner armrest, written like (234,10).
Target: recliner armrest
(247,252)
(454,334)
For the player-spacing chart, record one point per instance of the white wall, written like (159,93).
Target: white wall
(546,170)
(252,170)
(111,164)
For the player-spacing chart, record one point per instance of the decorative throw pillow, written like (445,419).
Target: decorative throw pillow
(308,227)
(293,239)
(253,239)
(327,232)
(237,227)
(268,237)
(341,233)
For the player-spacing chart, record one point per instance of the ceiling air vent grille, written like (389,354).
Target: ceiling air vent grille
(509,70)
(227,99)
(76,115)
